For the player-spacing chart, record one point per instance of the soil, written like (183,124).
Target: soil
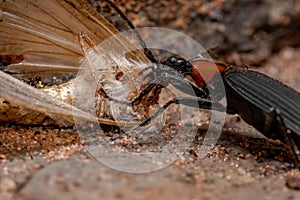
(39,162)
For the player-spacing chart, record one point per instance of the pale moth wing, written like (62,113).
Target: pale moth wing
(45,34)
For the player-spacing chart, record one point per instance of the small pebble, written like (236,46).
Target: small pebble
(7,184)
(293,183)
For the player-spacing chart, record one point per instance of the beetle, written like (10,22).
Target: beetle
(270,106)
(267,104)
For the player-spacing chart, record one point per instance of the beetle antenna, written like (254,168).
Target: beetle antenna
(147,51)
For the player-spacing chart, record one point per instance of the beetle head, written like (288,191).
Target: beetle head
(179,64)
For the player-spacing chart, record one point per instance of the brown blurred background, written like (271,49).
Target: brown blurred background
(256,33)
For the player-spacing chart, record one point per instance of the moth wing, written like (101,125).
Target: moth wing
(45,33)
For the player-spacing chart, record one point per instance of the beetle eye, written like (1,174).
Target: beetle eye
(173,60)
(180,61)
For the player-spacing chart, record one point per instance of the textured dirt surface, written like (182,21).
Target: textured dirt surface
(50,162)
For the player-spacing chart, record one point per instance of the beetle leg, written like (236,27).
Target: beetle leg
(179,82)
(291,143)
(188,101)
(274,117)
(174,79)
(169,78)
(143,93)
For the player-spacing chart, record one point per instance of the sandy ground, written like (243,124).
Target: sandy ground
(50,162)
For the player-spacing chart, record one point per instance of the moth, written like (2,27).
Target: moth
(54,38)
